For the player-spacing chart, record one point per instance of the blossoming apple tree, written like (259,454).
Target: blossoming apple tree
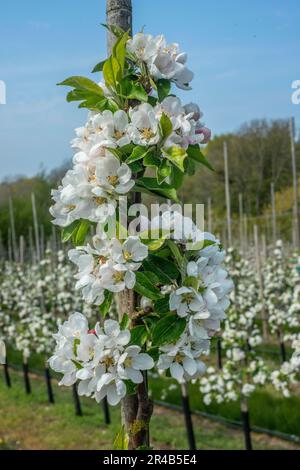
(171,290)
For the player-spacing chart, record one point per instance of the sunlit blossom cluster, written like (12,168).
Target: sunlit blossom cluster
(101,360)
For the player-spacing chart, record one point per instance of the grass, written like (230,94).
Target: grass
(29,422)
(268,409)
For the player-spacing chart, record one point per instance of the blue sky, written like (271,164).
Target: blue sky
(245,55)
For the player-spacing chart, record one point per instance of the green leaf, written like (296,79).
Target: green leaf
(105,306)
(168,330)
(121,440)
(176,155)
(81,232)
(195,154)
(162,305)
(154,245)
(180,261)
(164,171)
(163,88)
(125,321)
(166,271)
(83,83)
(138,335)
(119,51)
(115,30)
(191,281)
(176,178)
(98,67)
(151,184)
(152,160)
(165,126)
(138,92)
(111,71)
(69,231)
(136,167)
(78,95)
(154,353)
(144,286)
(138,153)
(130,387)
(152,100)
(190,166)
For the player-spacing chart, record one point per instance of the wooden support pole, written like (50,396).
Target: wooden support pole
(26,375)
(13,230)
(261,283)
(274,231)
(137,408)
(106,413)
(209,215)
(295,186)
(36,228)
(77,404)
(227,195)
(241,228)
(246,424)
(219,353)
(188,417)
(49,383)
(6,374)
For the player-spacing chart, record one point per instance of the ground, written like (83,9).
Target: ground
(29,422)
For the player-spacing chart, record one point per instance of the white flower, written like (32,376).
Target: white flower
(130,253)
(143,129)
(247,389)
(112,387)
(112,128)
(98,359)
(185,300)
(112,176)
(169,63)
(143,46)
(131,362)
(193,110)
(112,335)
(181,360)
(116,277)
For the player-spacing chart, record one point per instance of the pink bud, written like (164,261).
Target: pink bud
(92,332)
(206,134)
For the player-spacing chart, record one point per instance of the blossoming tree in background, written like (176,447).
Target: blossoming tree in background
(168,277)
(280,290)
(243,370)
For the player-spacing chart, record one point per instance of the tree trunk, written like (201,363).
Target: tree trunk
(137,408)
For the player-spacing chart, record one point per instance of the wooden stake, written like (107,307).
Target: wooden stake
(241,216)
(6,374)
(209,215)
(137,408)
(78,410)
(295,185)
(26,375)
(246,424)
(106,413)
(36,228)
(188,417)
(13,230)
(49,384)
(227,195)
(22,249)
(261,283)
(274,231)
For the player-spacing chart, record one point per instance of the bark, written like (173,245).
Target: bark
(137,408)
(118,13)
